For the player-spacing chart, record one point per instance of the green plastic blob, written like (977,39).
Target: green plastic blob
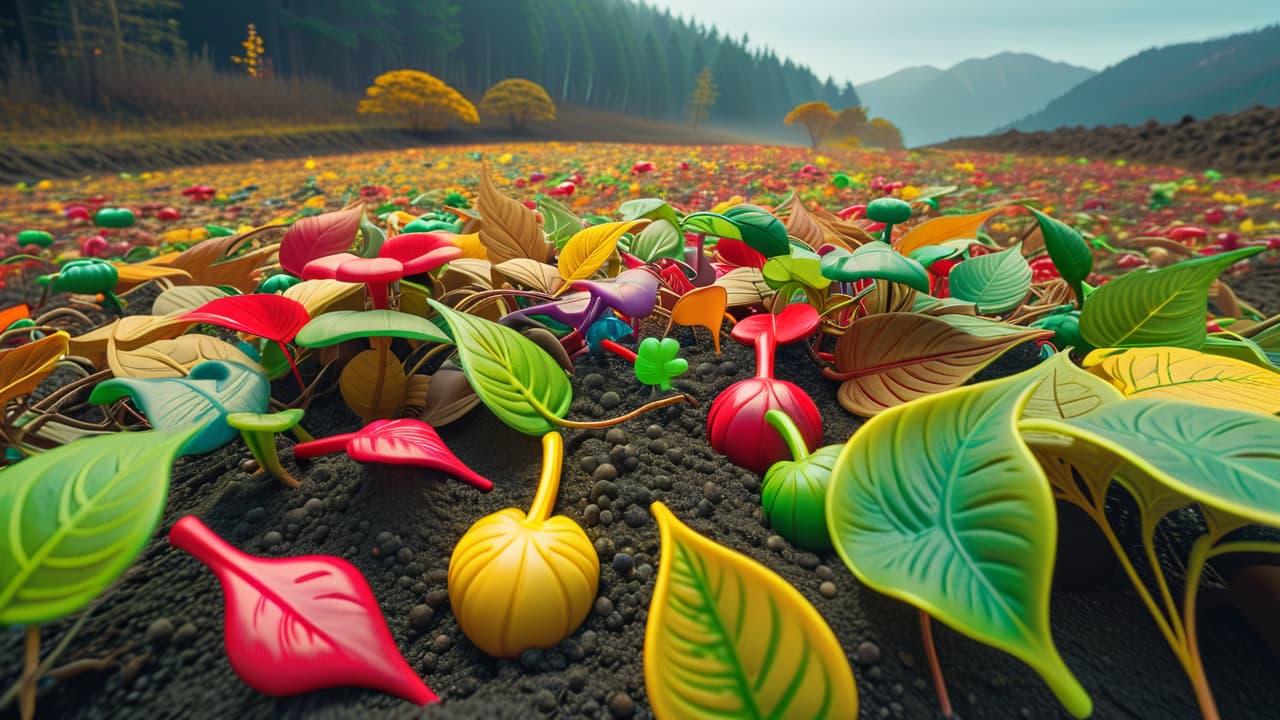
(277,283)
(336,327)
(888,210)
(39,238)
(114,218)
(794,492)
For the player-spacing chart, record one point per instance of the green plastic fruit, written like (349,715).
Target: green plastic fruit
(794,492)
(114,218)
(39,238)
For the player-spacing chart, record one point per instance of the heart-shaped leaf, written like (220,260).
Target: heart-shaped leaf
(317,236)
(172,358)
(510,230)
(514,378)
(1182,374)
(182,298)
(939,503)
(802,267)
(996,282)
(942,229)
(657,362)
(274,317)
(793,323)
(343,325)
(1226,459)
(726,637)
(293,625)
(1070,253)
(23,367)
(204,398)
(75,517)
(588,249)
(373,385)
(875,260)
(1152,308)
(658,239)
(703,307)
(889,359)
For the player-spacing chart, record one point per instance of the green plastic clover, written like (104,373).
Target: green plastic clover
(657,362)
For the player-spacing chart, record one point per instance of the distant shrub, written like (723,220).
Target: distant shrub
(520,101)
(424,100)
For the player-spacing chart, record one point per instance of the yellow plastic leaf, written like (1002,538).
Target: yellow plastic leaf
(1067,391)
(373,385)
(510,230)
(22,368)
(702,307)
(471,246)
(322,296)
(728,638)
(172,358)
(1182,374)
(132,275)
(128,333)
(942,229)
(588,249)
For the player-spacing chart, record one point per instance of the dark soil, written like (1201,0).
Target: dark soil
(399,528)
(1244,143)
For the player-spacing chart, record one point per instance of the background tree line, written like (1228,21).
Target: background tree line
(612,54)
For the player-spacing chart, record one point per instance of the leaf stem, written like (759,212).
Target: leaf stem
(263,447)
(935,667)
(302,387)
(766,343)
(786,427)
(1194,666)
(30,673)
(581,425)
(1149,547)
(620,351)
(544,500)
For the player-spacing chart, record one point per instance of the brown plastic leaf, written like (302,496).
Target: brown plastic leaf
(530,274)
(803,226)
(182,298)
(745,286)
(129,332)
(942,229)
(890,359)
(373,385)
(888,297)
(130,276)
(464,272)
(172,358)
(510,230)
(449,397)
(703,307)
(548,341)
(208,264)
(22,368)
(842,233)
(322,296)
(589,248)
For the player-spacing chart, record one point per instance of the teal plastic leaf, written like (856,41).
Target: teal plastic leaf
(204,398)
(1164,307)
(657,362)
(75,517)
(878,261)
(939,503)
(342,325)
(513,377)
(996,283)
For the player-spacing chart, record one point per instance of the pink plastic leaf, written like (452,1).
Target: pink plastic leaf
(294,625)
(323,446)
(411,442)
(793,323)
(735,253)
(274,317)
(420,252)
(326,268)
(317,236)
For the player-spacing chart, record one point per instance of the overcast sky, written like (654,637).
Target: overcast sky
(859,40)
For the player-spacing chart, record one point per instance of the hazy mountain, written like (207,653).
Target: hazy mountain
(972,98)
(1197,79)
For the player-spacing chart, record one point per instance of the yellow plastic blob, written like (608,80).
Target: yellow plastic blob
(519,581)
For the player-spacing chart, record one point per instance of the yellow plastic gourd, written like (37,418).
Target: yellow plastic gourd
(519,581)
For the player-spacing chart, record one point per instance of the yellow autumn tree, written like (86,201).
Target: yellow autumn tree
(424,100)
(704,95)
(816,117)
(521,101)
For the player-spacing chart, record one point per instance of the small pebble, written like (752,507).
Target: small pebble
(616,436)
(828,589)
(623,564)
(437,598)
(867,653)
(314,506)
(610,400)
(776,543)
(591,515)
(711,492)
(604,606)
(420,617)
(644,572)
(530,659)
(621,705)
(593,381)
(653,432)
(906,658)
(441,644)
(272,539)
(729,367)
(606,517)
(604,472)
(160,631)
(604,488)
(255,515)
(705,368)
(824,572)
(635,516)
(588,464)
(545,700)
(185,633)
(806,560)
(322,475)
(249,466)
(705,508)
(658,447)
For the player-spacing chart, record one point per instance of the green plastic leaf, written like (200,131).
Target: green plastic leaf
(1161,307)
(802,266)
(514,378)
(76,517)
(713,224)
(651,208)
(996,283)
(930,254)
(1068,250)
(1227,344)
(939,503)
(1223,458)
(559,222)
(371,238)
(335,327)
(878,261)
(658,239)
(657,361)
(728,638)
(760,229)
(204,398)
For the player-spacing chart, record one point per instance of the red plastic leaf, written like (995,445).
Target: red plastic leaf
(326,268)
(274,317)
(319,235)
(397,442)
(420,252)
(794,322)
(294,625)
(735,253)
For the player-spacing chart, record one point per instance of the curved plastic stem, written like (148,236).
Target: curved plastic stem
(378,294)
(620,351)
(302,387)
(935,667)
(766,344)
(263,447)
(887,237)
(786,427)
(664,402)
(1149,546)
(544,500)
(1194,666)
(30,673)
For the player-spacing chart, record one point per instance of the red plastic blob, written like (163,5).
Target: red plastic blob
(293,625)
